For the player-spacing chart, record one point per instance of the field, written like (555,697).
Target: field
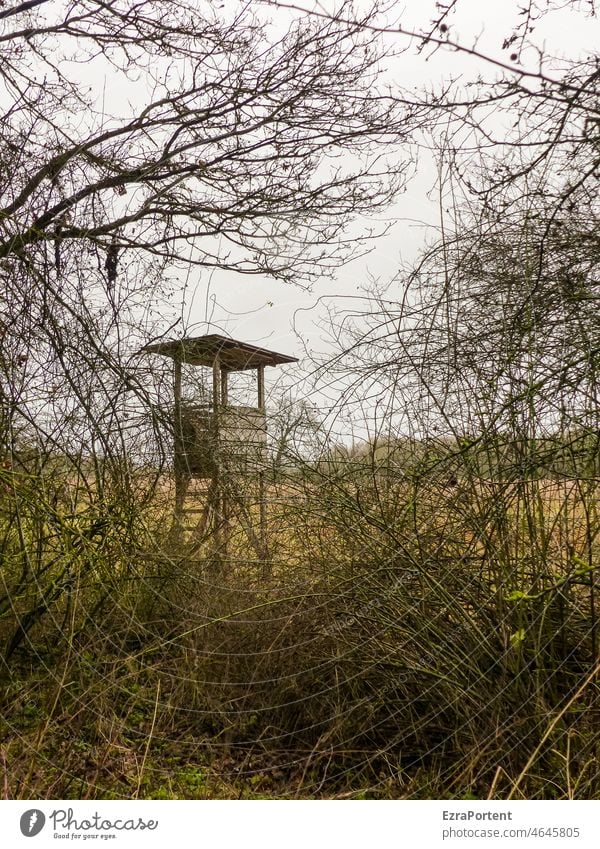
(413,635)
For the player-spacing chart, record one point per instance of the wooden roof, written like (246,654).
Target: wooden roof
(203,350)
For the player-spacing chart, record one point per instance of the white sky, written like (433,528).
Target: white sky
(262,311)
(289,319)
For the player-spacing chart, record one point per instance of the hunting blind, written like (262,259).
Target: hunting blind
(217,441)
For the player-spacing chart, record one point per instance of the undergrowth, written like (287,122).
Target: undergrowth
(410,637)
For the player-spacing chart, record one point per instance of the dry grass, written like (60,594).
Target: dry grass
(410,638)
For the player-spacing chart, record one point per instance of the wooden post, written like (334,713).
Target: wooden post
(262,495)
(225,482)
(179,460)
(260,385)
(216,447)
(224,387)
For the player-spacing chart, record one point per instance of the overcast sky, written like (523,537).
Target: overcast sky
(263,311)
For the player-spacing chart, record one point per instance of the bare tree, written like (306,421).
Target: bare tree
(134,142)
(208,140)
(523,112)
(131,143)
